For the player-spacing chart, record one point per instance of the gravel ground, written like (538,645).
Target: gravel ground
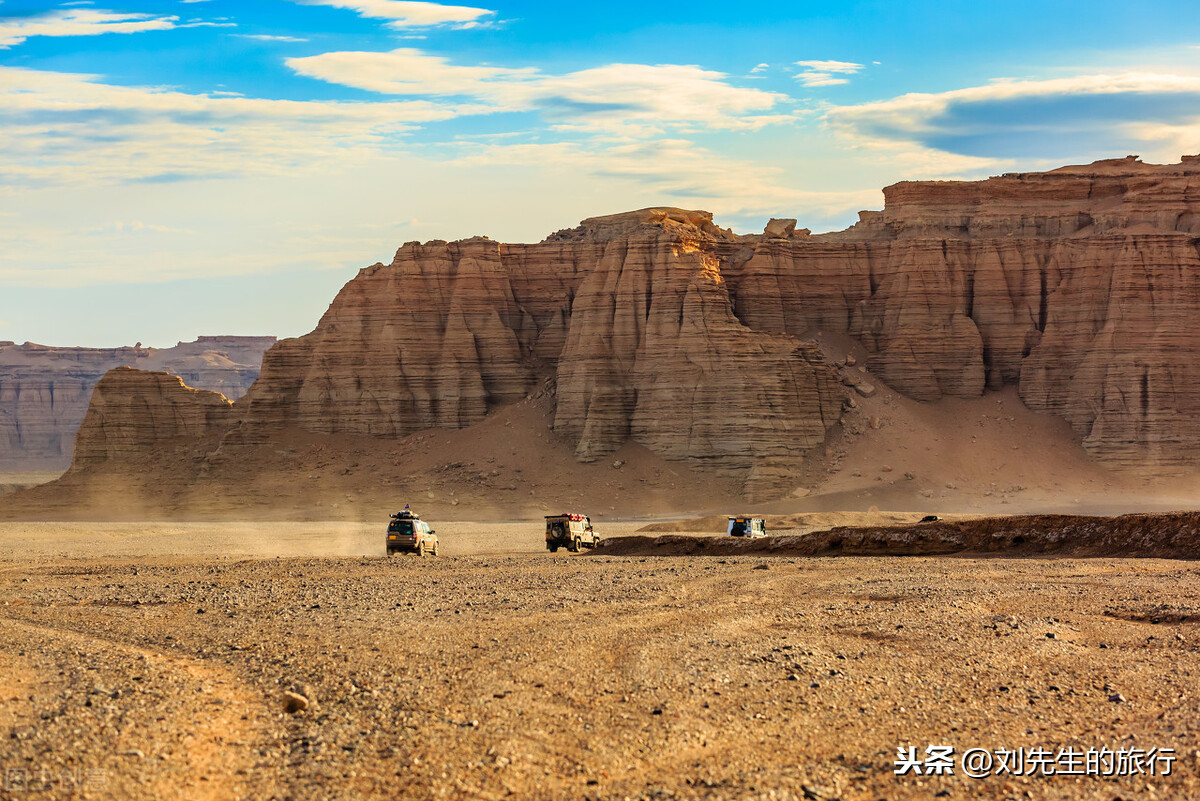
(539,676)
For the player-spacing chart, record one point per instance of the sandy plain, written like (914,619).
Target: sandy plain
(151,661)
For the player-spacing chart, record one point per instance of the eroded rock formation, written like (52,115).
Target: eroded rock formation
(135,410)
(1080,286)
(44,391)
(629,312)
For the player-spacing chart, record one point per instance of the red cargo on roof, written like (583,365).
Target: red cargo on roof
(568,515)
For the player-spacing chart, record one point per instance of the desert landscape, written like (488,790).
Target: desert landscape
(156,661)
(967,422)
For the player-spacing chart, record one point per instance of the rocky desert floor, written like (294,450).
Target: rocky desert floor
(153,661)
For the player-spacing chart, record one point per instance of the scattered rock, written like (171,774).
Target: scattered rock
(817,792)
(779,228)
(294,703)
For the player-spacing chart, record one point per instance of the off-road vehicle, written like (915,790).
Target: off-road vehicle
(571,531)
(745,526)
(409,533)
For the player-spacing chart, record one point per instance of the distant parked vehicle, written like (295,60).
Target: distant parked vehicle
(571,531)
(408,533)
(747,527)
(930,519)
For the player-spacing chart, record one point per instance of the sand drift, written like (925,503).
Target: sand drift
(1174,535)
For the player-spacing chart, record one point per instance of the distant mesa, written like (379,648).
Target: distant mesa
(44,390)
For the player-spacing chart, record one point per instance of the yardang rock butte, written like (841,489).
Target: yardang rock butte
(44,391)
(1080,287)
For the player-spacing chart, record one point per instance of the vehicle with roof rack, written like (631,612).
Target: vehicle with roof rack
(408,533)
(746,526)
(570,530)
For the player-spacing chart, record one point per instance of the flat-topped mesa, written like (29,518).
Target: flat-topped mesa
(1080,286)
(134,412)
(1104,196)
(963,285)
(629,312)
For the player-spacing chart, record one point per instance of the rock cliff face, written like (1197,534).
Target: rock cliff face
(1080,286)
(655,353)
(44,391)
(629,312)
(135,410)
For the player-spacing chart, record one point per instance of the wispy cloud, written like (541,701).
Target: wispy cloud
(404,14)
(677,171)
(66,128)
(1063,118)
(825,73)
(137,227)
(266,37)
(79,22)
(632,99)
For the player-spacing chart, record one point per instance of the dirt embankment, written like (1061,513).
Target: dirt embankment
(1174,535)
(719,524)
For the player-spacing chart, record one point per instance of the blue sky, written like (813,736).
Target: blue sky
(173,169)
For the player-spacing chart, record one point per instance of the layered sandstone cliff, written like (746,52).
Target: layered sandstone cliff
(44,391)
(629,313)
(132,411)
(1078,286)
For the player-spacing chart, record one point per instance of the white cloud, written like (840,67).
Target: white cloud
(403,14)
(1072,117)
(265,37)
(679,172)
(412,72)
(760,68)
(66,128)
(79,22)
(630,99)
(824,73)
(848,67)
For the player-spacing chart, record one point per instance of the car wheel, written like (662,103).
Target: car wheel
(553,548)
(435,547)
(421,549)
